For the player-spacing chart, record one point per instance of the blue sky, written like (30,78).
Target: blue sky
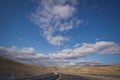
(64,31)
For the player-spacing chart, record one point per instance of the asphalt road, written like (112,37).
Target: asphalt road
(52,76)
(60,76)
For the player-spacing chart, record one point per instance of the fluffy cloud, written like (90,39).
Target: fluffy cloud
(24,54)
(63,57)
(77,45)
(56,40)
(64,11)
(27,50)
(87,62)
(55,16)
(27,55)
(102,47)
(55,62)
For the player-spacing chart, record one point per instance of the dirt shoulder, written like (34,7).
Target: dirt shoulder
(87,77)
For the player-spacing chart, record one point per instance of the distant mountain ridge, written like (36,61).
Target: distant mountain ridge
(10,67)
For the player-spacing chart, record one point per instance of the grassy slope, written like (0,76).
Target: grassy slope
(105,70)
(9,67)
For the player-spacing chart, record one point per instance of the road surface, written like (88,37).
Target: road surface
(52,76)
(60,76)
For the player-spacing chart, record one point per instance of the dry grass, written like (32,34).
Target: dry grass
(9,67)
(104,70)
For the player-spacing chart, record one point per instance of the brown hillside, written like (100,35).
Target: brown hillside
(10,67)
(104,70)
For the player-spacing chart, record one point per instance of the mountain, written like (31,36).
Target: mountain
(10,67)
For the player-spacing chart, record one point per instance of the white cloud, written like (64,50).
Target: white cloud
(101,47)
(65,56)
(64,11)
(54,62)
(45,60)
(27,50)
(87,62)
(24,54)
(56,40)
(66,26)
(55,16)
(77,45)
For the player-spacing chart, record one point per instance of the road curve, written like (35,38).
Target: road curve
(48,77)
(52,76)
